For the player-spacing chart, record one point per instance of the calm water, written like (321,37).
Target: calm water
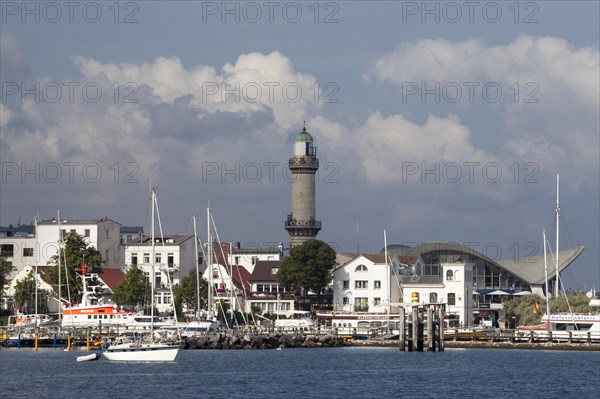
(306,373)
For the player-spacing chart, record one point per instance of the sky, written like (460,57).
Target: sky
(433,121)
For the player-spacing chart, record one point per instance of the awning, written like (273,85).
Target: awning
(498,292)
(523,293)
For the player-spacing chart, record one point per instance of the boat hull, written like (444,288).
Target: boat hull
(143,353)
(88,358)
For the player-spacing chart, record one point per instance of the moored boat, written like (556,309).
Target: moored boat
(87,358)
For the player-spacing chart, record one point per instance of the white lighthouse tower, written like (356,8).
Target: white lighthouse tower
(301,223)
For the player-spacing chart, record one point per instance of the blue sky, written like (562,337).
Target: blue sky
(445,125)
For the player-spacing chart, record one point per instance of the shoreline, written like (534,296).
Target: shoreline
(562,346)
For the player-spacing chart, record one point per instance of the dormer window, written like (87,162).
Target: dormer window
(274,270)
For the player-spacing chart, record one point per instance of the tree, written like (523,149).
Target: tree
(133,290)
(308,267)
(522,307)
(75,251)
(5,269)
(25,295)
(186,292)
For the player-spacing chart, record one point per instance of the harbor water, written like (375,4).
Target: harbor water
(349,372)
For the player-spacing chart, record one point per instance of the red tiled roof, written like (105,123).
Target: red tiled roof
(262,270)
(112,277)
(240,277)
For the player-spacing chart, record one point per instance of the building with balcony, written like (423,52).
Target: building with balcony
(266,293)
(174,257)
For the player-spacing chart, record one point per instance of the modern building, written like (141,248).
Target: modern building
(301,223)
(490,280)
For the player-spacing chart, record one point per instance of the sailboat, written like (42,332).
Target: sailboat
(132,348)
(563,325)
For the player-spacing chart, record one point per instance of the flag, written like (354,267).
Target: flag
(536,308)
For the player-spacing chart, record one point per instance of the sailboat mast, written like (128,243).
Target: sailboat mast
(546,273)
(557,235)
(389,277)
(209,263)
(152,277)
(60,243)
(37,254)
(197,266)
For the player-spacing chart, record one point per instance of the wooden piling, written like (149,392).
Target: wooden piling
(402,330)
(415,328)
(430,333)
(441,316)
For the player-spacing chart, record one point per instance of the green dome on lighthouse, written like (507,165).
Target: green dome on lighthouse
(304,136)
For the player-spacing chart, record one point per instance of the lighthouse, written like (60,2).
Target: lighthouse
(301,224)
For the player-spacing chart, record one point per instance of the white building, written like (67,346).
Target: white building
(266,293)
(174,257)
(367,284)
(17,246)
(103,234)
(454,288)
(229,285)
(248,256)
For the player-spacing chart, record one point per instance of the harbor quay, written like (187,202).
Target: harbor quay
(231,340)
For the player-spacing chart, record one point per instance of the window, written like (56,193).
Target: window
(134,259)
(346,284)
(73,231)
(170,260)
(146,258)
(361,284)
(377,301)
(27,252)
(259,288)
(86,233)
(106,231)
(451,299)
(158,258)
(361,304)
(449,275)
(433,297)
(7,250)
(377,284)
(254,259)
(345,301)
(361,268)
(274,270)
(106,254)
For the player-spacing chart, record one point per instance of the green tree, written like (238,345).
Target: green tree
(5,269)
(133,290)
(25,295)
(522,307)
(186,292)
(308,267)
(75,251)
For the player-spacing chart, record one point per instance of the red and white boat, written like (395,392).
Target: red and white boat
(91,314)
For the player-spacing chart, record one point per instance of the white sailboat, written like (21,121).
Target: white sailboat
(563,325)
(131,348)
